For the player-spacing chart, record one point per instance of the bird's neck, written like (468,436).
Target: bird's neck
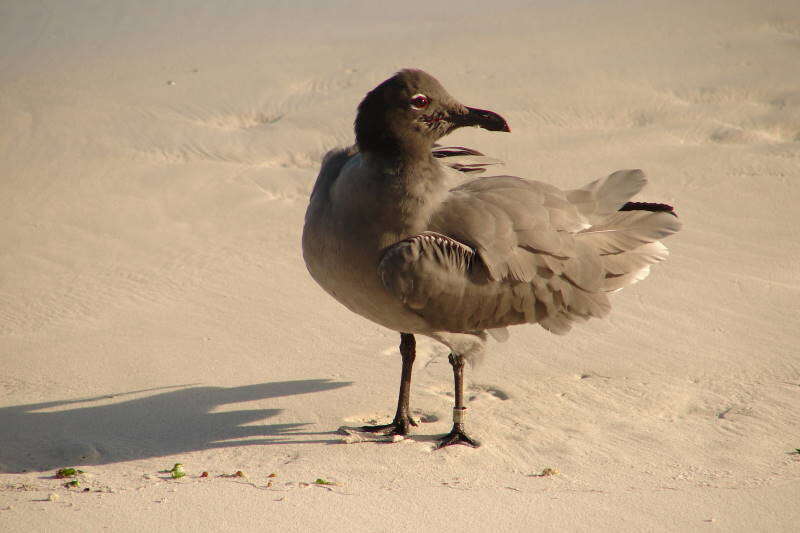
(409,190)
(406,173)
(398,151)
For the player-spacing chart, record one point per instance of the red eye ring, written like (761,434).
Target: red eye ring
(419,101)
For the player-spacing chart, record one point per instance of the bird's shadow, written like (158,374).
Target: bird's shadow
(165,421)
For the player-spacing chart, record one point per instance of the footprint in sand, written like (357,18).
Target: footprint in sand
(420,416)
(475,392)
(485,392)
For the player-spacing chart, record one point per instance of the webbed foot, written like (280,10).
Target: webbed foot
(399,426)
(457,436)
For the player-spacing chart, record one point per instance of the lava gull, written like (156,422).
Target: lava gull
(387,235)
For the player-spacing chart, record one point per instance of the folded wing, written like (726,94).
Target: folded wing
(503,250)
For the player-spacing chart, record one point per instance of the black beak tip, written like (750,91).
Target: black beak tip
(488,120)
(496,123)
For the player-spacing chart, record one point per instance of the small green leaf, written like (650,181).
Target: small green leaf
(68,472)
(176,472)
(321,481)
(73,483)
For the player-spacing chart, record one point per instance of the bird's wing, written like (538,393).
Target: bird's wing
(604,196)
(444,281)
(503,250)
(506,219)
(332,165)
(463,159)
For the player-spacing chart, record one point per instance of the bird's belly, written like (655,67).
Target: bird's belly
(375,304)
(347,270)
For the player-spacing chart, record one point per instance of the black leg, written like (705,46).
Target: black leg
(457,435)
(402,419)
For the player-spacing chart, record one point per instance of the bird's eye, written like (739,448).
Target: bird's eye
(419,101)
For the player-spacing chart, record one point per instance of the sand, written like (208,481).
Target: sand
(155,166)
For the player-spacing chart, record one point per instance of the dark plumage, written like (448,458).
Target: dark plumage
(387,237)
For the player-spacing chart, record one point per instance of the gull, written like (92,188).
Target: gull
(387,235)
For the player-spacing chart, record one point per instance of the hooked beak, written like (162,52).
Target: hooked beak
(481,118)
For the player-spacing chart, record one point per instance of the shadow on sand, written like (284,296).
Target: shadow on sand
(44,436)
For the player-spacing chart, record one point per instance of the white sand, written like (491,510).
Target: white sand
(155,164)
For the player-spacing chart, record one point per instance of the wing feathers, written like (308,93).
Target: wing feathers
(603,197)
(506,251)
(638,258)
(625,230)
(464,159)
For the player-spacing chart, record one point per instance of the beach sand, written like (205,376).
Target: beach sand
(155,167)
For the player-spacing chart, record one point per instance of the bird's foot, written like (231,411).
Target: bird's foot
(401,425)
(457,436)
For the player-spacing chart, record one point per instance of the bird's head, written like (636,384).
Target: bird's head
(410,111)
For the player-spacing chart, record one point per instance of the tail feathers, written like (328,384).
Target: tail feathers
(603,197)
(616,248)
(633,260)
(627,268)
(626,230)
(615,283)
(628,242)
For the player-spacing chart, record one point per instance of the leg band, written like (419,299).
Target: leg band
(459,414)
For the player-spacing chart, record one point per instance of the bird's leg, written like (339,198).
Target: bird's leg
(457,435)
(402,418)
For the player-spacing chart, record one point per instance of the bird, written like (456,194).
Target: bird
(389,235)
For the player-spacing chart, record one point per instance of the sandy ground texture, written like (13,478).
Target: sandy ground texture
(155,165)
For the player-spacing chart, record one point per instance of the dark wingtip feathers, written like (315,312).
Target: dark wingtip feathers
(449,151)
(649,206)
